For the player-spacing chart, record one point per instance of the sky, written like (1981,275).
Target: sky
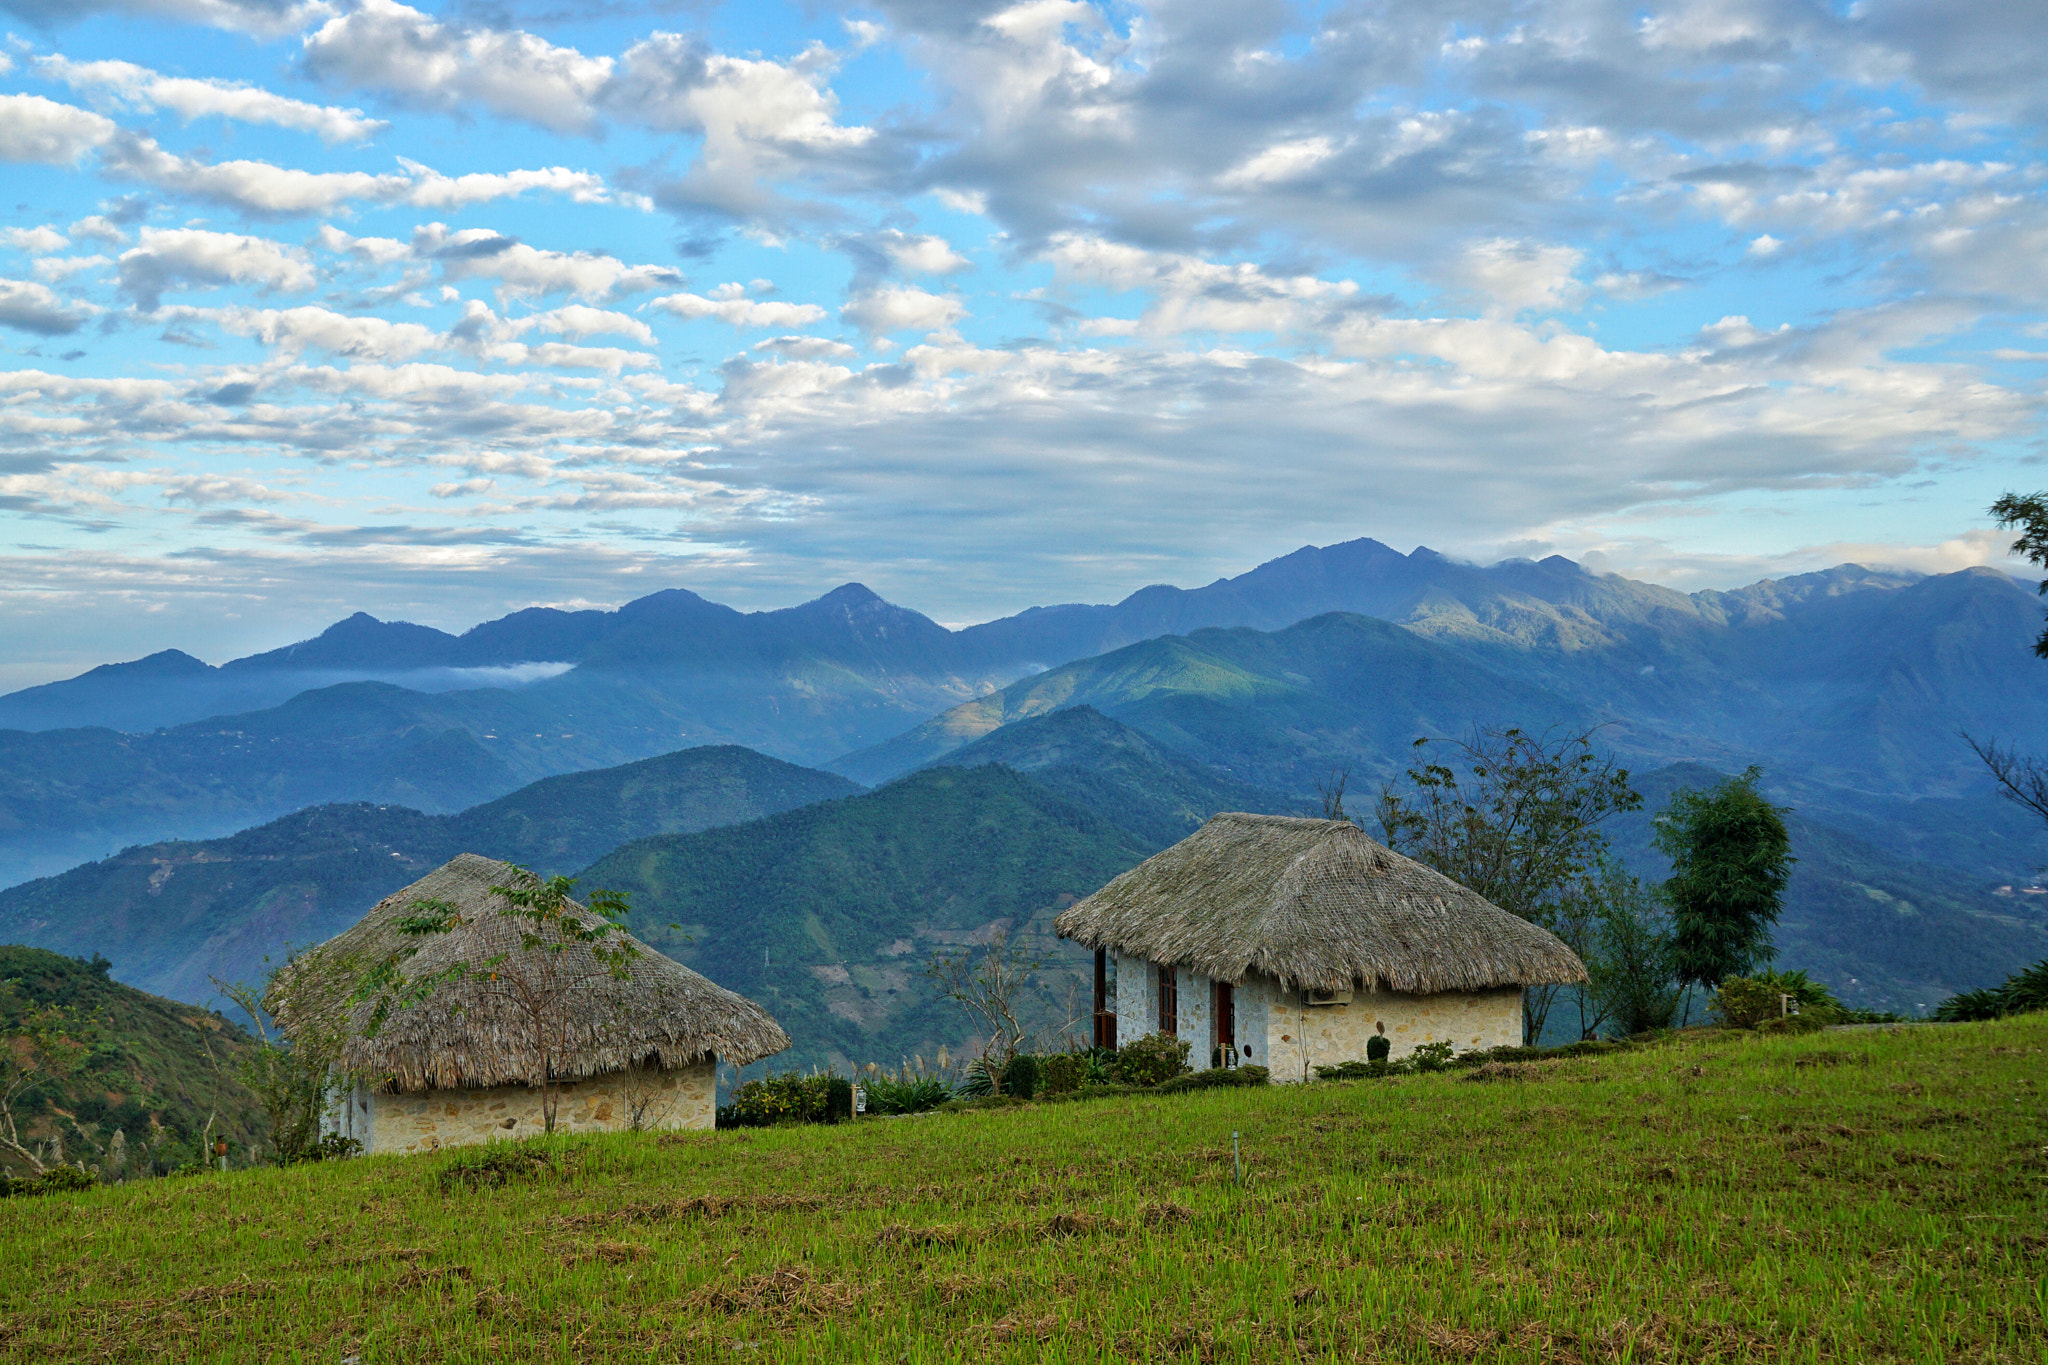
(316,306)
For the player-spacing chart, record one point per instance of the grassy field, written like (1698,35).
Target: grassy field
(1851,1196)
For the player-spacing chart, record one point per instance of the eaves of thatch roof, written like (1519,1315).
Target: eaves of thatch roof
(464,1033)
(1319,905)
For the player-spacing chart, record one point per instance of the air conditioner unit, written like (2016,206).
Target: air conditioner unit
(1326,997)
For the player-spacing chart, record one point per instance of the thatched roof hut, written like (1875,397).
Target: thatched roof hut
(465,1034)
(1317,905)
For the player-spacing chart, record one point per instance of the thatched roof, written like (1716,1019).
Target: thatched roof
(465,1033)
(1317,904)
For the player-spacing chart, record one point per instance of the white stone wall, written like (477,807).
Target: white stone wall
(1137,999)
(1299,1039)
(685,1097)
(1254,998)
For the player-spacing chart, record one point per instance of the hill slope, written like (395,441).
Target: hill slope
(826,914)
(174,915)
(158,1071)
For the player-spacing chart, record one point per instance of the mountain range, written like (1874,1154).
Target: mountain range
(1852,684)
(372,754)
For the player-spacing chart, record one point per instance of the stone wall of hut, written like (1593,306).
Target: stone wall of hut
(685,1097)
(1300,1037)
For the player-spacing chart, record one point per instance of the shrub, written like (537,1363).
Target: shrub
(1150,1060)
(1063,1073)
(1793,1023)
(56,1180)
(907,1092)
(791,1098)
(2021,993)
(1216,1076)
(1747,1001)
(1434,1056)
(1020,1076)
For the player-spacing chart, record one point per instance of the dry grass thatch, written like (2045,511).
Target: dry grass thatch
(1319,905)
(464,1033)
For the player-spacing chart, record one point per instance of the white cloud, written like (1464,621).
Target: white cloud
(295,330)
(30,307)
(35,129)
(97,228)
(1517,277)
(920,255)
(191,257)
(140,88)
(729,304)
(64,267)
(527,272)
(1190,294)
(898,308)
(432,190)
(255,187)
(35,240)
(411,57)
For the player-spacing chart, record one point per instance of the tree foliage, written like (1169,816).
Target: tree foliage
(1731,857)
(1622,932)
(1515,816)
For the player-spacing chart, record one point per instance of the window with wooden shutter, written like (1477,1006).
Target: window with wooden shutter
(1169,1002)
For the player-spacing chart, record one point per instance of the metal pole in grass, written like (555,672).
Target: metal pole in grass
(1236,1163)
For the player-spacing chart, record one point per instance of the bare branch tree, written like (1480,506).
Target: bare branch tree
(987,988)
(2022,778)
(1331,789)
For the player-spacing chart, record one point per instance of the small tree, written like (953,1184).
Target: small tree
(295,1079)
(1516,817)
(1634,962)
(562,957)
(988,988)
(1731,857)
(43,1045)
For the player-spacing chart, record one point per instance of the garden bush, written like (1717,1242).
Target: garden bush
(1434,1056)
(1020,1076)
(1149,1060)
(789,1098)
(906,1092)
(1216,1076)
(1747,1001)
(1062,1073)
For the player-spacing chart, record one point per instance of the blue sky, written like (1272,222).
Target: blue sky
(310,306)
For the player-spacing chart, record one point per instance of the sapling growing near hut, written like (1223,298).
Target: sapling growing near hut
(549,991)
(294,1079)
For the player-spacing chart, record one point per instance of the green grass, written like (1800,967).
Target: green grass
(1856,1196)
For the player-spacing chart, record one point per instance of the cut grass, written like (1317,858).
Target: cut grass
(1866,1196)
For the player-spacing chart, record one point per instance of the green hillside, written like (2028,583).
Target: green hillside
(1119,773)
(157,1073)
(825,915)
(1871,1196)
(174,915)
